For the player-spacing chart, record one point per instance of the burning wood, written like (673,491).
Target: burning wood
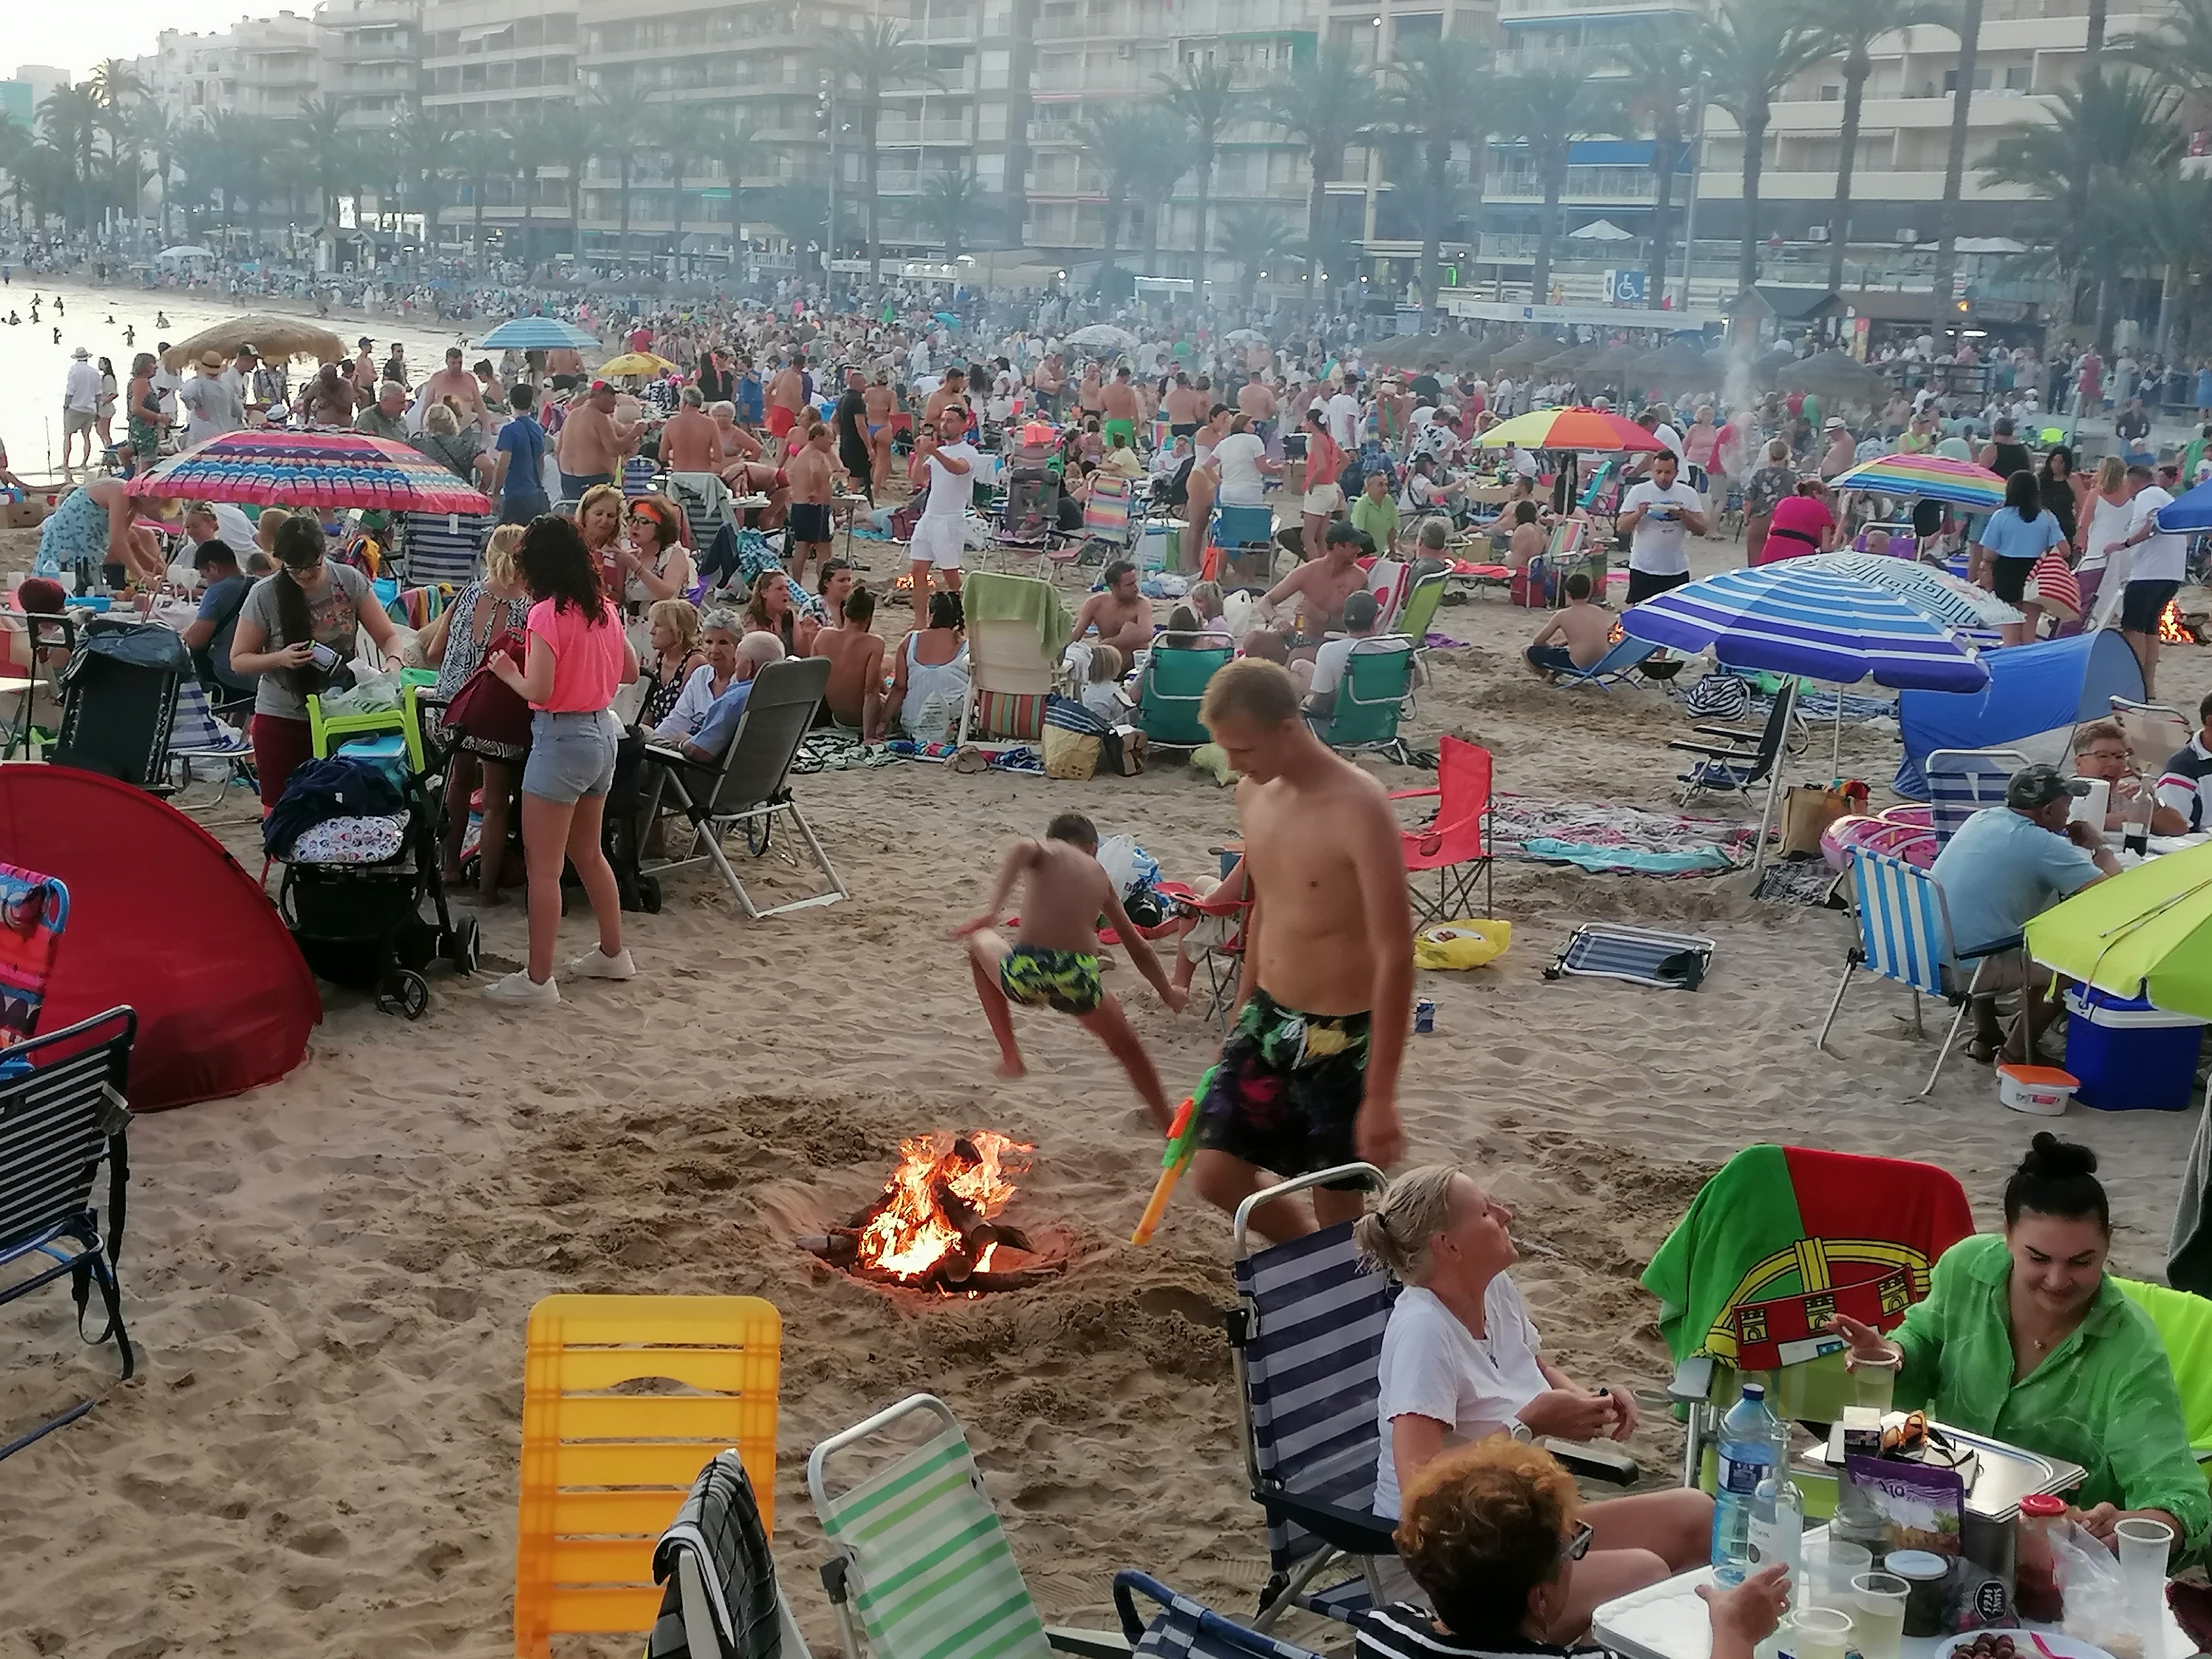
(935,1223)
(2173,628)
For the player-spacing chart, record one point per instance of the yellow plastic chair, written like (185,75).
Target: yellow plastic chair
(325,731)
(604,1471)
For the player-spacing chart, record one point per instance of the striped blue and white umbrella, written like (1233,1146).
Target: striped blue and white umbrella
(1794,617)
(1947,598)
(537,334)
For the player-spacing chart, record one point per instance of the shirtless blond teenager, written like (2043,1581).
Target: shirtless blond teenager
(811,473)
(1054,961)
(1307,1078)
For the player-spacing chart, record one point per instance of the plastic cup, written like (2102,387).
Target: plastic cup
(1874,1381)
(1829,1569)
(2144,1546)
(1817,1633)
(1878,1612)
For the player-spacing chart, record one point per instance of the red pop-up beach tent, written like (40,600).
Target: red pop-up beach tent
(160,917)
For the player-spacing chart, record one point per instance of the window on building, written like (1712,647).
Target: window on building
(1829,94)
(2020,78)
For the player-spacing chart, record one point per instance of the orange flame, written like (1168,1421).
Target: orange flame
(2172,630)
(910,1235)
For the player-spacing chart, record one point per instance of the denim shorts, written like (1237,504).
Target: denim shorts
(571,755)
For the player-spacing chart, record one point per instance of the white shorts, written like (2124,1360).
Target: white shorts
(1324,499)
(941,541)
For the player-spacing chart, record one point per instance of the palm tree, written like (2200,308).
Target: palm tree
(626,117)
(1204,98)
(424,143)
(1548,109)
(1662,87)
(1140,154)
(1753,49)
(1259,241)
(862,63)
(2179,53)
(1849,32)
(1329,103)
(1448,95)
(948,203)
(330,157)
(741,148)
(69,117)
(675,132)
(480,153)
(570,137)
(1969,25)
(1021,66)
(155,134)
(530,147)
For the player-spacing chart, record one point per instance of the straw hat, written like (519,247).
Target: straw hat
(212,360)
(81,355)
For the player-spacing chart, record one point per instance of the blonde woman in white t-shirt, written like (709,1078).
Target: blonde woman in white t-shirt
(1462,1361)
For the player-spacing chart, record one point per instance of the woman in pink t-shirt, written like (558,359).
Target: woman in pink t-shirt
(578,655)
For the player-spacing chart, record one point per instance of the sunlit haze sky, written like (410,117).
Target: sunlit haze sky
(74,37)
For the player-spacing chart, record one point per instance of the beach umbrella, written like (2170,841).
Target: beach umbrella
(1949,599)
(2144,933)
(538,334)
(267,466)
(1103,337)
(1567,362)
(635,362)
(190,252)
(1675,364)
(1568,428)
(1246,336)
(1931,477)
(1525,354)
(2189,511)
(1614,360)
(1837,371)
(950,319)
(278,337)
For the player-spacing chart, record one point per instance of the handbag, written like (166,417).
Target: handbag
(486,708)
(1809,808)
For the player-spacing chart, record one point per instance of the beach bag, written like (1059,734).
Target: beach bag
(1074,738)
(2052,585)
(1470,942)
(1809,808)
(1719,695)
(486,708)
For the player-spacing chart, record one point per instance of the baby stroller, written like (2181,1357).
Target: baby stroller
(1031,514)
(353,886)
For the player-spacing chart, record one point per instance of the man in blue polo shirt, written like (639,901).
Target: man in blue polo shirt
(521,448)
(2006,865)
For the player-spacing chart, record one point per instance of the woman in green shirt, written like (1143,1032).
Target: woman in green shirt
(2024,1337)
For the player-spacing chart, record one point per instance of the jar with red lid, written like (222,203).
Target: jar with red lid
(2036,1596)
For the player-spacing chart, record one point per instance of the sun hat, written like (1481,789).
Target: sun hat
(81,355)
(211,360)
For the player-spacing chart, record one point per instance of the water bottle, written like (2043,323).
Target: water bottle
(1748,1438)
(1778,1521)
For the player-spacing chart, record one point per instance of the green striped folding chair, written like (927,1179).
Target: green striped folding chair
(922,1570)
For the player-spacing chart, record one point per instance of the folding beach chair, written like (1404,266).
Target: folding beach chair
(922,1570)
(1962,781)
(1184,1629)
(637,477)
(1010,665)
(604,1471)
(749,786)
(38,648)
(1239,533)
(1171,685)
(705,499)
(1774,1244)
(1616,667)
(1217,943)
(1376,694)
(1639,956)
(1106,515)
(1454,846)
(33,911)
(1306,1340)
(118,699)
(1904,934)
(720,1599)
(61,1113)
(443,547)
(2184,1325)
(1736,762)
(2155,733)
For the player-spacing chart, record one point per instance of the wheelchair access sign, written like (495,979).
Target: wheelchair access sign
(1626,287)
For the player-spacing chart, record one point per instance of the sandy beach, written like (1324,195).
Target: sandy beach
(330,1277)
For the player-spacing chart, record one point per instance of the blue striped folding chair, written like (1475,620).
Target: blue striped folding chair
(1904,934)
(1619,662)
(1962,781)
(1184,1629)
(1306,1338)
(442,547)
(637,478)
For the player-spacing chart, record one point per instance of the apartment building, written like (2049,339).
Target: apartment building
(371,59)
(259,66)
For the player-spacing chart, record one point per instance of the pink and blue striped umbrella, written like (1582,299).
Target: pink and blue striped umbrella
(1796,618)
(1926,477)
(274,467)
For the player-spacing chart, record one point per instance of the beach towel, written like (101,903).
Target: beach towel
(989,598)
(720,1524)
(1782,1236)
(34,910)
(1602,836)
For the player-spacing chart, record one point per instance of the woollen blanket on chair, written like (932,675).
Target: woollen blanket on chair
(1782,1236)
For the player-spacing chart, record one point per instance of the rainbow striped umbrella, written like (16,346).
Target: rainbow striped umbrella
(271,467)
(1568,428)
(1926,477)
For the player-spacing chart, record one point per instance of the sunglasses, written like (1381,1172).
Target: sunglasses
(1578,1542)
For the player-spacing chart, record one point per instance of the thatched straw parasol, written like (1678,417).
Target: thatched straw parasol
(279,338)
(1836,374)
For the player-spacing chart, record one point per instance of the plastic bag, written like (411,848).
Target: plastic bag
(2096,1596)
(374,691)
(1469,943)
(1129,864)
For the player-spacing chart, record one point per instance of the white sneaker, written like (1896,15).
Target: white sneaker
(599,966)
(519,990)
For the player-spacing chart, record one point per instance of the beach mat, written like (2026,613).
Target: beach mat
(1639,956)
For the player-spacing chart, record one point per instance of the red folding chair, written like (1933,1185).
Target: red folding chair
(1454,845)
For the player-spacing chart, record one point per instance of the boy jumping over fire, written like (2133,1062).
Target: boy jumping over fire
(1053,963)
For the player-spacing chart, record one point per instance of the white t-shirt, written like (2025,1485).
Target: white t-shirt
(1343,421)
(2162,558)
(949,491)
(210,408)
(1238,456)
(1660,547)
(82,389)
(1667,435)
(1329,662)
(1433,1366)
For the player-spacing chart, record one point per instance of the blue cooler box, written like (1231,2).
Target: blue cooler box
(2131,1056)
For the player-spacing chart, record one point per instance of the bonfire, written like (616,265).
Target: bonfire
(936,1224)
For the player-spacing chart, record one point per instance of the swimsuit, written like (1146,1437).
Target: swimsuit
(1288,1088)
(809,521)
(1064,980)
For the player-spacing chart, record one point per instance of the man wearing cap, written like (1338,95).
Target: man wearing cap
(79,404)
(210,407)
(2006,865)
(387,416)
(593,443)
